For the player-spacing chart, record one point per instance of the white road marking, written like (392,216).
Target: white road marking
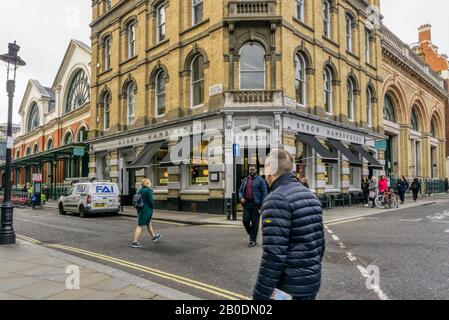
(380,294)
(345,221)
(411,220)
(335,238)
(447,231)
(435,221)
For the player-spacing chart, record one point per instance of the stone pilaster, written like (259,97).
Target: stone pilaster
(404,151)
(114,164)
(344,176)
(320,178)
(92,165)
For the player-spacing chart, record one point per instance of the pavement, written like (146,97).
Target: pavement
(32,272)
(330,216)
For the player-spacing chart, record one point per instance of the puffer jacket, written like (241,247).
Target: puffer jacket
(293,241)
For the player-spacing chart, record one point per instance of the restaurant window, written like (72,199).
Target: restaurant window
(302,158)
(160,173)
(355,177)
(199,168)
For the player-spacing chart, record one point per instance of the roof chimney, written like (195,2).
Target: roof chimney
(425,33)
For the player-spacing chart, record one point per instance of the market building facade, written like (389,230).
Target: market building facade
(415,101)
(254,75)
(55,122)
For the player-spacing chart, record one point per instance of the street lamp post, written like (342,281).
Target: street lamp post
(13,62)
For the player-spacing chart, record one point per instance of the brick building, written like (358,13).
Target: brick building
(300,75)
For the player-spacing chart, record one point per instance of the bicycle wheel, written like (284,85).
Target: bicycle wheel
(379,201)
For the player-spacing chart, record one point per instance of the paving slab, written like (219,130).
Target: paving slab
(42,289)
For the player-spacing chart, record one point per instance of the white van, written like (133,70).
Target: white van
(88,198)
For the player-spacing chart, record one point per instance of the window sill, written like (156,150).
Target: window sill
(193,27)
(157,45)
(370,65)
(303,24)
(303,106)
(352,54)
(195,190)
(129,60)
(104,72)
(197,106)
(330,41)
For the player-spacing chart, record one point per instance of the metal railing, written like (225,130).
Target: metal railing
(428,186)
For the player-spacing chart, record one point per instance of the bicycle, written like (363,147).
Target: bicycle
(387,200)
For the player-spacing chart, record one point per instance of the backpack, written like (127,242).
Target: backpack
(138,201)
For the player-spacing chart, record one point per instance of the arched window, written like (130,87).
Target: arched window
(389,113)
(300,10)
(300,80)
(79,91)
(34,117)
(17,154)
(197,81)
(50,144)
(36,149)
(433,129)
(160,93)
(107,53)
(252,67)
(28,153)
(369,107)
(82,135)
(160,23)
(68,139)
(351,101)
(349,32)
(327,18)
(328,95)
(131,32)
(106,111)
(414,120)
(368,41)
(131,103)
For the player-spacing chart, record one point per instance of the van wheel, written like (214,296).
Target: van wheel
(83,212)
(61,209)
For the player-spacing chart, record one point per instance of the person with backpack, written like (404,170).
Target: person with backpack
(143,202)
(416,188)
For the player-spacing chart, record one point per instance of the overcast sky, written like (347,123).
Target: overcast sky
(44,28)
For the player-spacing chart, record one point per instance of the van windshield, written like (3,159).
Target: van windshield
(105,189)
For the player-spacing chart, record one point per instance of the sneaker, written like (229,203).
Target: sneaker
(136,245)
(252,244)
(157,238)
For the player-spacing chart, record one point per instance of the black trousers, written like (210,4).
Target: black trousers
(251,221)
(402,195)
(415,195)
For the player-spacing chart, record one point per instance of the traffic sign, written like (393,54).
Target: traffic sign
(37,177)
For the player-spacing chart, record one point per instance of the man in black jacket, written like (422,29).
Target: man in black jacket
(293,235)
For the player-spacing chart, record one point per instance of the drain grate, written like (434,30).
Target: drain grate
(338,257)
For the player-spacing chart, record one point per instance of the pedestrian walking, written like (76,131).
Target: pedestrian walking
(144,203)
(416,188)
(373,189)
(403,186)
(293,235)
(382,185)
(252,194)
(446,185)
(365,191)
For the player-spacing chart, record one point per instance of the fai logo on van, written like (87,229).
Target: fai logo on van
(105,189)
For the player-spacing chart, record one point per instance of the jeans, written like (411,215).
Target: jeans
(310,298)
(251,221)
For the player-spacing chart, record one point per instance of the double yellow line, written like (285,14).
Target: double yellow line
(28,239)
(187,282)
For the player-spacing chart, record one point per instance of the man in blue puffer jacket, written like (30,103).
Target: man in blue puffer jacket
(252,194)
(293,235)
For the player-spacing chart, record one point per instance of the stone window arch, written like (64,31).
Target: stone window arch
(389,109)
(34,117)
(79,91)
